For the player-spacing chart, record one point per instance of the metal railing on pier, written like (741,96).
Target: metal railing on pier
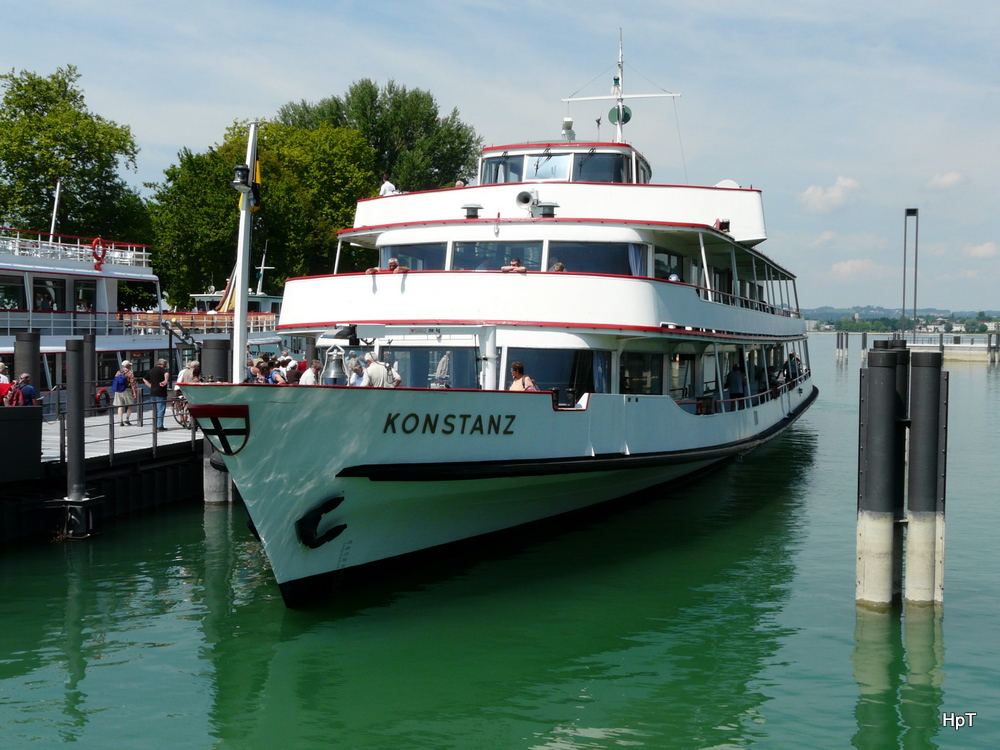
(103,433)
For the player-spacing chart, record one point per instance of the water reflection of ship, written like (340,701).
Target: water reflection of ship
(660,611)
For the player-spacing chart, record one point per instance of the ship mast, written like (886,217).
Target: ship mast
(619,114)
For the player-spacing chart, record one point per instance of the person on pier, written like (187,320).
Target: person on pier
(126,391)
(158,380)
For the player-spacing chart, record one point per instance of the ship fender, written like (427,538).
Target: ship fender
(307,527)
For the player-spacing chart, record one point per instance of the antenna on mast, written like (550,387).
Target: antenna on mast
(261,268)
(619,114)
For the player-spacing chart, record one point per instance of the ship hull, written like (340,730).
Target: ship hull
(339,478)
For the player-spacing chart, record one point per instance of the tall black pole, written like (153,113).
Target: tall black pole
(916,252)
(75,396)
(906,215)
(902,310)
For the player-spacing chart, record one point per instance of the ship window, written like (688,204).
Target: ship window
(641,373)
(616,258)
(549,166)
(50,294)
(425,367)
(426,257)
(491,256)
(12,293)
(666,263)
(85,295)
(680,375)
(592,167)
(502,169)
(571,372)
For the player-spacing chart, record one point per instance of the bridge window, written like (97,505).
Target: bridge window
(549,166)
(502,168)
(593,167)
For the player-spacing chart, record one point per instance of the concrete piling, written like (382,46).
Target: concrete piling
(877,451)
(900,402)
(927,471)
(217,484)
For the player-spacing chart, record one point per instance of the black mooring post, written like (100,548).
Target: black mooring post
(877,452)
(925,492)
(75,399)
(215,360)
(90,366)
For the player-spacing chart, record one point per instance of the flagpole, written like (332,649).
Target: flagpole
(241,284)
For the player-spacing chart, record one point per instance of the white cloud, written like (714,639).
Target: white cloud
(946,181)
(860,269)
(985,250)
(825,238)
(821,200)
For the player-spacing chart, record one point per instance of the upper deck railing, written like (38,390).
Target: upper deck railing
(60,323)
(28,244)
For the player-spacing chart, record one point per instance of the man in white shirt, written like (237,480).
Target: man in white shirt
(311,375)
(387,187)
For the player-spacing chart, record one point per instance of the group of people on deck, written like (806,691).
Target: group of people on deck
(371,372)
(283,369)
(738,385)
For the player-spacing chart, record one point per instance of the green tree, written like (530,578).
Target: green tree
(311,180)
(47,133)
(418,148)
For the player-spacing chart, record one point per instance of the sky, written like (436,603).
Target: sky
(843,113)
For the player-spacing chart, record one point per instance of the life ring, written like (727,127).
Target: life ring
(99,251)
(101,399)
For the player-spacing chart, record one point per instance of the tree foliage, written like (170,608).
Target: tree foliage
(413,144)
(47,133)
(874,325)
(311,180)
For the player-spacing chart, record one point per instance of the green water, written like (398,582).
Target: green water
(719,615)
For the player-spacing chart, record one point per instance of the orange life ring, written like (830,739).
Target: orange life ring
(101,399)
(99,251)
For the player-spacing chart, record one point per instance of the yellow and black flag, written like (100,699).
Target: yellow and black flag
(255,187)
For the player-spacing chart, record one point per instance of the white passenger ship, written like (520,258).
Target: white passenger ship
(638,302)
